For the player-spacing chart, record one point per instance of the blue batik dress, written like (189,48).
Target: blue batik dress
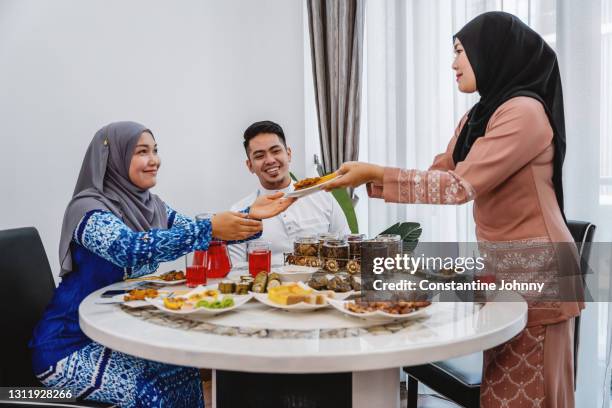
(104,251)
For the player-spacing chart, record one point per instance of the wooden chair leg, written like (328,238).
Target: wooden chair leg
(413,392)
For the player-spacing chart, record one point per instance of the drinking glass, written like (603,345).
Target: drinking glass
(260,257)
(195,268)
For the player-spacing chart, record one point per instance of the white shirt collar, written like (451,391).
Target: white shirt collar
(264,191)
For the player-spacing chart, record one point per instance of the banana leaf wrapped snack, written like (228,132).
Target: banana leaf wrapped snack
(260,282)
(227,287)
(273,281)
(243,288)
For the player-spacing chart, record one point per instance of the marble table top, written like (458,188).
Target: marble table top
(260,339)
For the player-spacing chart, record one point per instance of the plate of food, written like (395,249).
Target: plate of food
(166,278)
(381,311)
(206,300)
(134,298)
(311,185)
(295,273)
(294,297)
(259,284)
(341,283)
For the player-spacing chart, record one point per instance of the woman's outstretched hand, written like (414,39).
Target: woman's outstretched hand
(354,174)
(234,226)
(268,206)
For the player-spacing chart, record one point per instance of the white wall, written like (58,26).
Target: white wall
(196,72)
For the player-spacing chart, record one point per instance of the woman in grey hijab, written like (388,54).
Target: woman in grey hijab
(114,228)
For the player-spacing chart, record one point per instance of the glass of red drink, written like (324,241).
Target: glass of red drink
(259,256)
(195,268)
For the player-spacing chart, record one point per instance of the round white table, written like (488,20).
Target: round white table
(259,339)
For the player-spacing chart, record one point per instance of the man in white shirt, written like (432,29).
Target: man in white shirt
(268,157)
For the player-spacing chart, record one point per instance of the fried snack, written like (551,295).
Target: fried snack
(339,283)
(172,276)
(212,293)
(318,281)
(313,181)
(140,294)
(174,303)
(398,308)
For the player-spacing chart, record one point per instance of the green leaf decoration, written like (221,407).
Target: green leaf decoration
(409,231)
(344,200)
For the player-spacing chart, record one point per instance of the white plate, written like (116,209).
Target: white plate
(239,300)
(343,295)
(295,273)
(309,190)
(155,279)
(298,307)
(131,303)
(118,299)
(164,282)
(377,316)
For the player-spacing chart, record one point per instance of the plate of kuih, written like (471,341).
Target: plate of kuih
(311,185)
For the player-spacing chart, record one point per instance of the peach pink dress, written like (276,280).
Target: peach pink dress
(508,175)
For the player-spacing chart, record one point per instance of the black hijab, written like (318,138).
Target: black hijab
(509,59)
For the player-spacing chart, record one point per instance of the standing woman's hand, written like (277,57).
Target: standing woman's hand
(354,174)
(234,226)
(268,206)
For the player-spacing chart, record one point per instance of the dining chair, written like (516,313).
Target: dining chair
(26,287)
(458,379)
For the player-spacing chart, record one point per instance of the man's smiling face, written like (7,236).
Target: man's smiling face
(269,159)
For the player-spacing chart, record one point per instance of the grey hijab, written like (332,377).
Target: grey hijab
(104,184)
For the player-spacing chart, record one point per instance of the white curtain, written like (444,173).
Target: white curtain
(411,107)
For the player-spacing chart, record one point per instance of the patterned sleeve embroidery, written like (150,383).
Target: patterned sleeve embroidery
(143,270)
(176,219)
(433,187)
(106,235)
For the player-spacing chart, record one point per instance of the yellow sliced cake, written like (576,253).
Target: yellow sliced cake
(289,294)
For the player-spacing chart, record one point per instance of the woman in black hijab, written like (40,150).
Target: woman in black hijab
(510,60)
(506,155)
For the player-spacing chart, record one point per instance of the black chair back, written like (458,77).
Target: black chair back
(583,233)
(26,287)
